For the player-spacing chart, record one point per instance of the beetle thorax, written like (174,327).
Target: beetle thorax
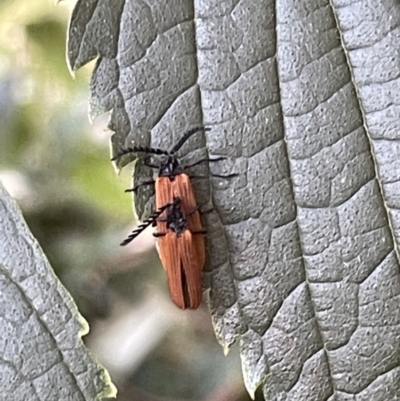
(170,168)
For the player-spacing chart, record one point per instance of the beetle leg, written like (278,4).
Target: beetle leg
(205,160)
(136,187)
(199,232)
(211,209)
(192,210)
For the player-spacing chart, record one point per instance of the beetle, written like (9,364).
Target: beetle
(172,182)
(182,250)
(179,252)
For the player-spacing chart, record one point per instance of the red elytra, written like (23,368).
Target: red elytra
(182,252)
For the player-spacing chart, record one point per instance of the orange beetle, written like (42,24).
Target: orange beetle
(175,196)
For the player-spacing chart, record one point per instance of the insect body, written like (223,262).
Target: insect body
(181,248)
(173,182)
(179,252)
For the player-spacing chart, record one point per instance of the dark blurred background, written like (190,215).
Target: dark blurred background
(56,165)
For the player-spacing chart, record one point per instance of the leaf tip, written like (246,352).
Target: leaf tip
(84,325)
(69,66)
(226,350)
(109,390)
(116,167)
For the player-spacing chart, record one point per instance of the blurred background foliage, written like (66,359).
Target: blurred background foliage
(56,165)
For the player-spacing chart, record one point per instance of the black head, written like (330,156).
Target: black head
(171,166)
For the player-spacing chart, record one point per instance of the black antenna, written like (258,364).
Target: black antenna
(145,224)
(135,149)
(186,136)
(157,151)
